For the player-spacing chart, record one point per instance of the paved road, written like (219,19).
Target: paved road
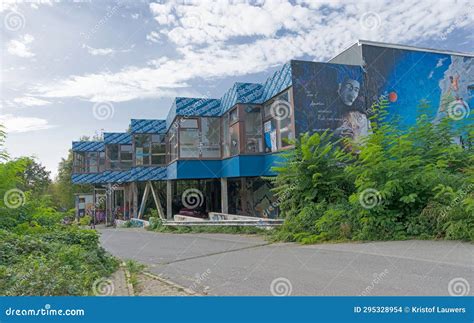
(221,264)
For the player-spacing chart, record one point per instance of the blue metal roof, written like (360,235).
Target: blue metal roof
(116,176)
(141,174)
(188,107)
(136,174)
(147,126)
(88,146)
(123,138)
(241,93)
(279,81)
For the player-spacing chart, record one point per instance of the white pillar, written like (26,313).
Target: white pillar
(169,200)
(224,196)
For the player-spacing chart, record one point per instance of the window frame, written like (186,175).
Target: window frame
(269,118)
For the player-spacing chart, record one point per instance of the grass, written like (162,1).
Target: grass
(134,268)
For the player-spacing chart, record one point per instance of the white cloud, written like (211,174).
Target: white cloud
(14,124)
(105,51)
(154,37)
(215,40)
(20,47)
(30,101)
(99,51)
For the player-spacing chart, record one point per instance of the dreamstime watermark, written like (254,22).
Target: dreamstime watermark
(103,287)
(459,197)
(281,286)
(375,281)
(275,204)
(109,14)
(457,23)
(18,289)
(45,311)
(103,110)
(370,198)
(280,110)
(458,287)
(14,198)
(458,110)
(192,198)
(14,21)
(370,20)
(199,280)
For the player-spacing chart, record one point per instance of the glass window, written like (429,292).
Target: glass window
(189,143)
(225,137)
(113,156)
(188,123)
(234,115)
(210,138)
(92,162)
(286,133)
(269,128)
(101,161)
(142,149)
(78,162)
(234,139)
(158,150)
(126,156)
(253,129)
(278,124)
(173,141)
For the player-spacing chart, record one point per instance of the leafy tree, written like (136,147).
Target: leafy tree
(63,189)
(35,176)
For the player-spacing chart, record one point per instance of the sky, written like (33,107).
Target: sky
(78,68)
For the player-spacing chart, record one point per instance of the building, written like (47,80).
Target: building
(213,155)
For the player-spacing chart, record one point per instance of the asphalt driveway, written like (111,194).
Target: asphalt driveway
(222,264)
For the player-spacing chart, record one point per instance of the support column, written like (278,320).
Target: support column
(135,199)
(224,196)
(169,200)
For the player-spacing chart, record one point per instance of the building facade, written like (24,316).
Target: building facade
(215,155)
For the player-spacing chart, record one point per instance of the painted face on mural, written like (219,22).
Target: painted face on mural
(349,91)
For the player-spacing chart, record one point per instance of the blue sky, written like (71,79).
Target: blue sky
(75,68)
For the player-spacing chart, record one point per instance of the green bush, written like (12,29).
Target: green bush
(59,262)
(402,183)
(85,220)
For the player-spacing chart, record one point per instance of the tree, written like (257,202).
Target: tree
(63,189)
(3,135)
(35,177)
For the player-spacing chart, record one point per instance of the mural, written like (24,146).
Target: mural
(408,78)
(329,96)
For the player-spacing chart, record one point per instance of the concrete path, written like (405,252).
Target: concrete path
(221,264)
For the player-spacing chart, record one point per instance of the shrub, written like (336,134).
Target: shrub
(402,183)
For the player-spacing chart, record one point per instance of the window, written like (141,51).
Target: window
(113,157)
(173,141)
(142,149)
(210,138)
(101,161)
(92,162)
(188,123)
(126,156)
(78,162)
(253,141)
(150,149)
(234,139)
(119,156)
(234,115)
(225,137)
(158,149)
(278,122)
(189,143)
